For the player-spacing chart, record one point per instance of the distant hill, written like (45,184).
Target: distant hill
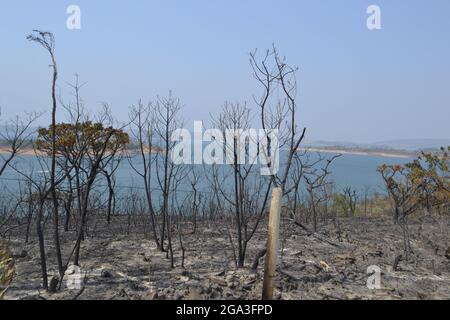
(407,147)
(413,144)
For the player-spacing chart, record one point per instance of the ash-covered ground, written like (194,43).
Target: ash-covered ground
(330,264)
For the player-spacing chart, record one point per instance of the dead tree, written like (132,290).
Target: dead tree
(109,173)
(167,118)
(40,195)
(16,135)
(196,198)
(351,197)
(278,110)
(103,144)
(248,194)
(179,174)
(404,192)
(142,129)
(47,41)
(401,190)
(30,201)
(76,114)
(315,179)
(366,199)
(179,222)
(88,147)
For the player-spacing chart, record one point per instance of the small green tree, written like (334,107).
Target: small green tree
(84,148)
(422,183)
(430,173)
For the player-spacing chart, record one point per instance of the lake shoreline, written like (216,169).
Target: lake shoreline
(32,152)
(394,154)
(388,154)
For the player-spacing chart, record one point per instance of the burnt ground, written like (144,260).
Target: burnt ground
(329,265)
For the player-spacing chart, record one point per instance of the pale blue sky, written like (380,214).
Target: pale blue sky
(355,84)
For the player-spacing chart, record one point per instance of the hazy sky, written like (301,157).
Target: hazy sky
(354,84)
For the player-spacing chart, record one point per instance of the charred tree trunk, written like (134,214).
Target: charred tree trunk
(40,234)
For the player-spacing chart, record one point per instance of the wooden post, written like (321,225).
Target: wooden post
(270,266)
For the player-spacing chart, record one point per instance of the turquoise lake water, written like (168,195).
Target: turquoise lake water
(356,171)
